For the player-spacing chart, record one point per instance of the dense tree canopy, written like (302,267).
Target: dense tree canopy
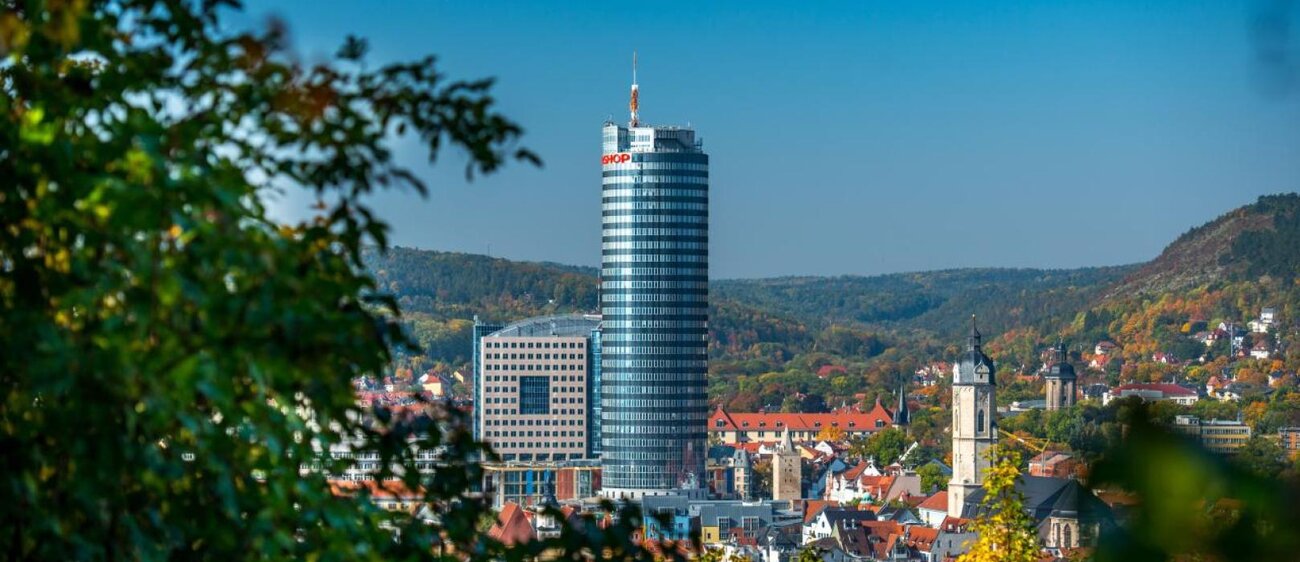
(885,446)
(172,361)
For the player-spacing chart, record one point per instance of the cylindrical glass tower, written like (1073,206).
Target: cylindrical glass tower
(654,307)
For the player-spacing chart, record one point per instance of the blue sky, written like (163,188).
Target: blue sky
(855,137)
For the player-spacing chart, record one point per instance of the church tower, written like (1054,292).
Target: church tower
(974,428)
(787,470)
(902,416)
(1061,382)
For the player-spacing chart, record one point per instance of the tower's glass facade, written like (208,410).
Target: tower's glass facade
(654,308)
(480,329)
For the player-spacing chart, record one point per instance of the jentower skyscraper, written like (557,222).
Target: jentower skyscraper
(654,305)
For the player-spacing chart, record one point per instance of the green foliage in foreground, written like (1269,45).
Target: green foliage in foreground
(1005,530)
(169,356)
(1194,505)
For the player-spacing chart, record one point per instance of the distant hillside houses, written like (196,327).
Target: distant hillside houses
(1267,318)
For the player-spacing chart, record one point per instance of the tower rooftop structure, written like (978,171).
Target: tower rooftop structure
(1061,367)
(974,366)
(557,325)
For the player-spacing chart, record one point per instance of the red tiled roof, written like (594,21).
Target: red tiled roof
(882,529)
(387,489)
(1117,498)
(812,507)
(512,526)
(936,502)
(884,548)
(828,370)
(845,419)
(877,486)
(910,500)
(856,471)
(951,523)
(922,538)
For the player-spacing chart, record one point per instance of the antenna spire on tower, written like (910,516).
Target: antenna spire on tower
(633,105)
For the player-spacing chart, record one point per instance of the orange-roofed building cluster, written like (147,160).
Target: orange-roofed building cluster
(764,427)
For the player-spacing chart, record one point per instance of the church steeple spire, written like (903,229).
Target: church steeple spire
(974,343)
(902,416)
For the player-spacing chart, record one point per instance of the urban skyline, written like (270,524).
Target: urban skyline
(193,372)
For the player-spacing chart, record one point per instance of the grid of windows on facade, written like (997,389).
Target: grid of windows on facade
(654,306)
(535,389)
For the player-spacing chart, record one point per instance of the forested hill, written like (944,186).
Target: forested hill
(756,324)
(1224,270)
(1246,243)
(450,285)
(938,302)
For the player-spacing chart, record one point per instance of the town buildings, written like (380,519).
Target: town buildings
(729,473)
(527,483)
(654,304)
(1055,464)
(716,521)
(768,427)
(1219,436)
(535,387)
(1152,391)
(865,482)
(1289,438)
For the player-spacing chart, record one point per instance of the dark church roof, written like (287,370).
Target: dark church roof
(901,414)
(1061,367)
(1050,497)
(973,359)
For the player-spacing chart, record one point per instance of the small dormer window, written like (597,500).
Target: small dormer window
(719,423)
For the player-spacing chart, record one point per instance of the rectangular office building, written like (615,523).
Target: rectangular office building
(535,389)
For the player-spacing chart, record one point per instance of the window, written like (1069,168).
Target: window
(534,395)
(979,421)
